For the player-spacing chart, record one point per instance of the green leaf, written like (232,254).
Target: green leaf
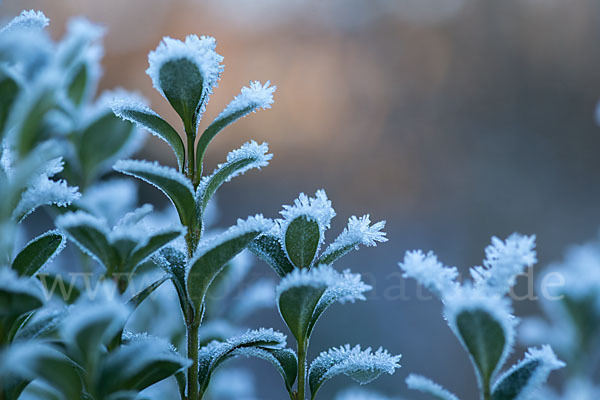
(69,292)
(19,297)
(173,262)
(138,298)
(183,85)
(483,337)
(101,141)
(363,366)
(38,253)
(27,116)
(9,90)
(42,361)
(212,256)
(512,385)
(214,354)
(285,361)
(173,184)
(89,328)
(250,155)
(139,364)
(522,379)
(42,324)
(146,118)
(78,87)
(91,235)
(154,244)
(297,305)
(301,242)
(268,248)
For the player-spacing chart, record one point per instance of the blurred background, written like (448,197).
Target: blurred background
(454,120)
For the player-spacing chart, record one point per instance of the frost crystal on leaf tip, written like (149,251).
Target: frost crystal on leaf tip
(429,272)
(250,99)
(317,208)
(256,223)
(358,232)
(504,260)
(361,365)
(200,51)
(27,20)
(421,383)
(250,150)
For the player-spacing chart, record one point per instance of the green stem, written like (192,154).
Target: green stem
(302,348)
(191,138)
(192,353)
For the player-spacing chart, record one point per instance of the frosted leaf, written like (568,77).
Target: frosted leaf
(154,168)
(251,224)
(80,33)
(472,299)
(253,152)
(200,51)
(429,272)
(105,102)
(70,219)
(528,374)
(215,352)
(260,295)
(426,385)
(111,199)
(322,276)
(12,283)
(504,260)
(102,311)
(44,191)
(27,20)
(317,208)
(363,366)
(251,99)
(356,233)
(361,394)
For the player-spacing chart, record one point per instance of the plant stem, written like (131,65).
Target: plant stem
(192,353)
(191,159)
(302,347)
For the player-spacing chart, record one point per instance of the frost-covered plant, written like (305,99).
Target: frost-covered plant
(570,299)
(309,285)
(185,73)
(50,128)
(480,315)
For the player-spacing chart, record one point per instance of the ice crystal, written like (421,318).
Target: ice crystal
(317,208)
(27,20)
(504,260)
(359,231)
(429,272)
